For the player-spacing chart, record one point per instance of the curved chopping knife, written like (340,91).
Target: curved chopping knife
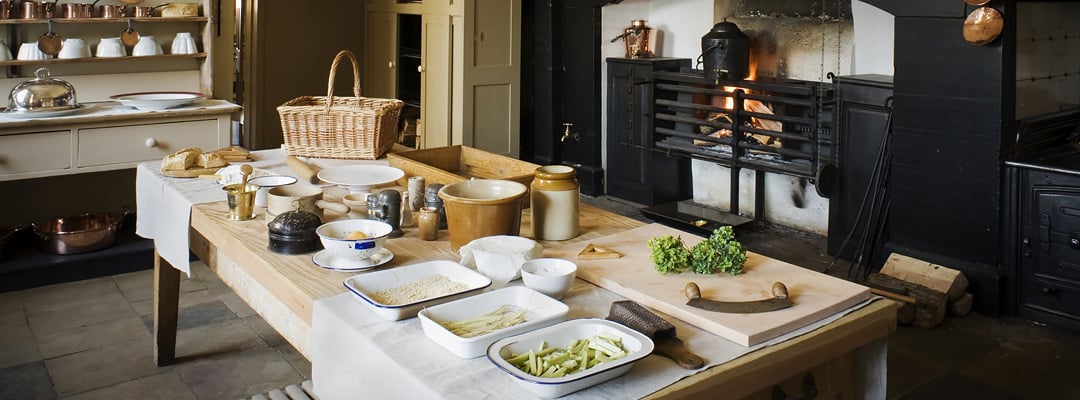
(779,301)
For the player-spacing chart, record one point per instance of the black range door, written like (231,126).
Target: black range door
(561,124)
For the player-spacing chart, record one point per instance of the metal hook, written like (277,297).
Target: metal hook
(130,25)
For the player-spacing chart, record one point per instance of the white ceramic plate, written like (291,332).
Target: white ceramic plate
(41,114)
(360,178)
(561,335)
(366,285)
(540,311)
(157,100)
(326,259)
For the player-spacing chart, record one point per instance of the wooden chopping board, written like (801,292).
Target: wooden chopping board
(815,295)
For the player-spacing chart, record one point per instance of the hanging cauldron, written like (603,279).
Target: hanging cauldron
(725,53)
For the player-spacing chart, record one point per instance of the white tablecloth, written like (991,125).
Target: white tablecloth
(356,354)
(164,203)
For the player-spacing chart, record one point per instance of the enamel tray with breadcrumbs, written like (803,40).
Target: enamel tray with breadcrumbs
(399,293)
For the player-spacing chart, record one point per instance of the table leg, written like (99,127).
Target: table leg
(166,307)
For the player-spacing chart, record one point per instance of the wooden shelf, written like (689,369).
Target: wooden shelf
(87,60)
(101,20)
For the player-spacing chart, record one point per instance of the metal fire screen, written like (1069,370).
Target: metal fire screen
(769,124)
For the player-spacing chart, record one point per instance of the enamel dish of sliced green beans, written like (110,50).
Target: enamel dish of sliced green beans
(569,356)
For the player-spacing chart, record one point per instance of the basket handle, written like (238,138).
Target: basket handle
(333,73)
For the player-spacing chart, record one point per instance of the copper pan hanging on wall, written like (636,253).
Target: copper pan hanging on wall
(983,25)
(976,2)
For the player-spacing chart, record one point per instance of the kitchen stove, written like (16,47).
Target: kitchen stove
(1043,218)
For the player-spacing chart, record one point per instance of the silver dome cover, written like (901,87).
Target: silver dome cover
(42,94)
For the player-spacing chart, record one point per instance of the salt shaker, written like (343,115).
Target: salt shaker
(431,199)
(390,211)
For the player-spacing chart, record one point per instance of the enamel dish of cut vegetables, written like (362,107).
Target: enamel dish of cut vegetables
(467,326)
(569,356)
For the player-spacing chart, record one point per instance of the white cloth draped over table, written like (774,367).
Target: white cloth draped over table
(356,354)
(164,203)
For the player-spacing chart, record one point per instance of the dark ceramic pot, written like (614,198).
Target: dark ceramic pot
(293,232)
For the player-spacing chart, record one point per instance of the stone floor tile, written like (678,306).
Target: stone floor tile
(239,376)
(906,373)
(957,386)
(297,360)
(1028,371)
(237,305)
(139,285)
(69,292)
(168,385)
(265,331)
(70,341)
(144,308)
(17,345)
(103,367)
(26,382)
(940,345)
(54,317)
(218,339)
(10,301)
(196,315)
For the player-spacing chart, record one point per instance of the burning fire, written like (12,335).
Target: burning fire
(728,103)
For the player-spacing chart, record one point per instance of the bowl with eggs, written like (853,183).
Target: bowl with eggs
(353,239)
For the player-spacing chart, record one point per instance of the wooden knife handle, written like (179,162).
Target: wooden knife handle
(674,348)
(302,169)
(779,290)
(692,291)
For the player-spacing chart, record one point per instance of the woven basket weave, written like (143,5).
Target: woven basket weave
(355,128)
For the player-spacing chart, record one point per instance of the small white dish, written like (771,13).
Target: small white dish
(561,335)
(540,311)
(157,100)
(550,276)
(328,260)
(266,182)
(365,286)
(360,178)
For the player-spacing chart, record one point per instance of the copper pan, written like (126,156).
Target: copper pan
(983,25)
(79,234)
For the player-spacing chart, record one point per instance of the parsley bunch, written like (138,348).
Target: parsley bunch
(719,253)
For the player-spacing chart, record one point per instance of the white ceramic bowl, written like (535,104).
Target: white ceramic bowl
(540,311)
(550,276)
(334,237)
(561,335)
(157,100)
(267,182)
(366,285)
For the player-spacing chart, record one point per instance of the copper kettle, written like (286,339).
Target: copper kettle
(637,39)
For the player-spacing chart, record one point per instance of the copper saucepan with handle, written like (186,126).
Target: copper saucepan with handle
(81,233)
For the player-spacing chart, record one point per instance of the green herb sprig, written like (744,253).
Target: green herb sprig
(721,252)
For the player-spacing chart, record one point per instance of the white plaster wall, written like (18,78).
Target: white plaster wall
(811,48)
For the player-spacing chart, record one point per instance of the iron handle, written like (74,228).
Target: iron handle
(1074,240)
(1049,291)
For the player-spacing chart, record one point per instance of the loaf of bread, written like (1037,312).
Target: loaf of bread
(181,160)
(211,160)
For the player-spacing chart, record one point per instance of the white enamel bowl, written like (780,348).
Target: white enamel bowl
(540,311)
(334,237)
(561,335)
(366,285)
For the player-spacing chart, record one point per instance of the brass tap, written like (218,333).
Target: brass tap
(566,134)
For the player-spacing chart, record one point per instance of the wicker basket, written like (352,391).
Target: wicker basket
(355,128)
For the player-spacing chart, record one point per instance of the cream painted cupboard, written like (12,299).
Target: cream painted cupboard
(456,61)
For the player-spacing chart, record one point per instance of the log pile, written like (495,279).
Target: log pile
(926,291)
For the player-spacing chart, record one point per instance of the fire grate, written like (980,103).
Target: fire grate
(774,125)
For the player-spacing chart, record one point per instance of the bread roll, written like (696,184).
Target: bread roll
(181,160)
(211,160)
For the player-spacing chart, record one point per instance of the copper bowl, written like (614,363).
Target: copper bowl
(79,234)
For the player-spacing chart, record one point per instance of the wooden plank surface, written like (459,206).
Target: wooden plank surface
(297,282)
(815,295)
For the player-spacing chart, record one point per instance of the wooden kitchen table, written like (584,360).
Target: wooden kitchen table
(284,288)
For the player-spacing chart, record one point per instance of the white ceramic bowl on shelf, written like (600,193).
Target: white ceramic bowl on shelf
(183,43)
(110,47)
